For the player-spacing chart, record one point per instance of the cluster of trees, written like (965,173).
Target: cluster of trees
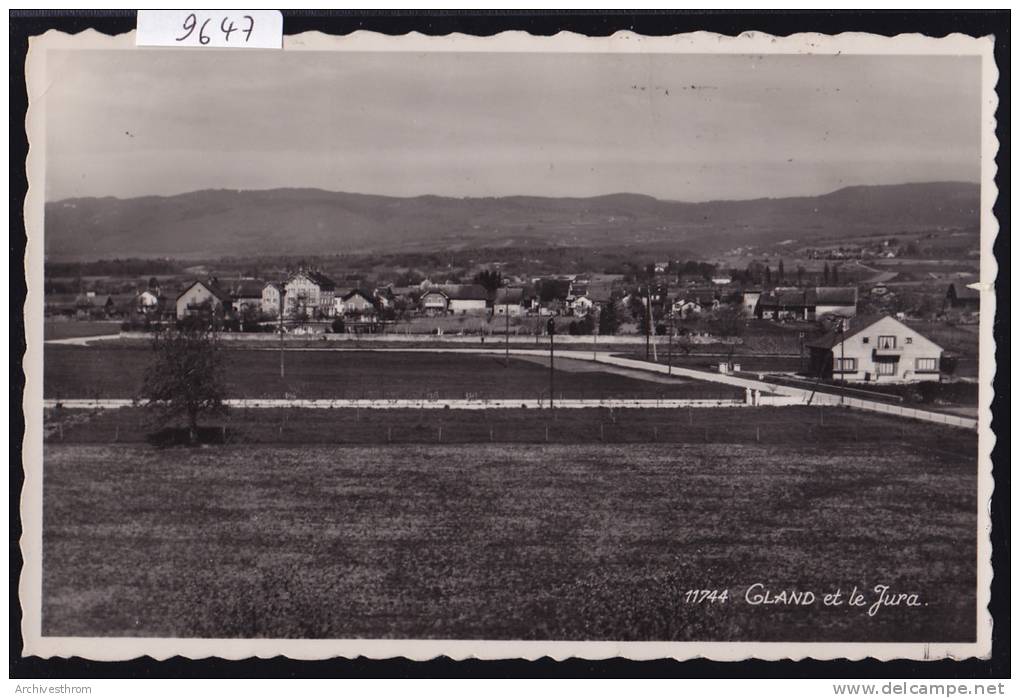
(112,267)
(489,279)
(762,274)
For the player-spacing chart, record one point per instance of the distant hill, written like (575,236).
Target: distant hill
(214,223)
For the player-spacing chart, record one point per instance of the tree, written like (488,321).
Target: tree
(186,375)
(768,275)
(636,308)
(825,274)
(835,274)
(727,321)
(800,275)
(249,317)
(609,318)
(490,280)
(782,272)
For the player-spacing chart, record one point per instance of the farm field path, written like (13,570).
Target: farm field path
(82,341)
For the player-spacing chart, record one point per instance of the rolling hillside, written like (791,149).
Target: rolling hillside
(308,221)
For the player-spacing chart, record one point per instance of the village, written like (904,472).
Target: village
(755,313)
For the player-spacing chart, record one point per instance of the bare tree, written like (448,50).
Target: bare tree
(186,376)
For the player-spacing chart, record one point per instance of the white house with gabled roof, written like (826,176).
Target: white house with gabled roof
(875,349)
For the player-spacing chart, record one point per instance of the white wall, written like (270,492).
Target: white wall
(196,295)
(861,346)
(458,306)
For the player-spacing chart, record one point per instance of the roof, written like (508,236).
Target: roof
(812,296)
(783,297)
(698,296)
(549,289)
(213,289)
(853,326)
(509,295)
(318,278)
(360,292)
(600,291)
(247,288)
(465,292)
(579,288)
(964,292)
(832,295)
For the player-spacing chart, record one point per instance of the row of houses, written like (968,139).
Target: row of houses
(311,295)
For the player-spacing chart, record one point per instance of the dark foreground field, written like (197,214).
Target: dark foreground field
(116,372)
(537,541)
(781,426)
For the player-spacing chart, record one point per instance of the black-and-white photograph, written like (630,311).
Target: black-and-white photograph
(557,341)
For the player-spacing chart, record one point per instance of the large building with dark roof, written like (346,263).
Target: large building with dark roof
(811,303)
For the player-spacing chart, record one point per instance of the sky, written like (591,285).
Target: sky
(681,127)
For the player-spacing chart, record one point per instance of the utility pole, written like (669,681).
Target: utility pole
(648,323)
(672,327)
(281,331)
(597,312)
(842,355)
(551,328)
(506,312)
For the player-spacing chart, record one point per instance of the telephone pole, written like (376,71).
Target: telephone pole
(551,328)
(672,326)
(281,332)
(506,312)
(648,323)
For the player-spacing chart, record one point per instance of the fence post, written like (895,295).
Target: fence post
(757,434)
(602,431)
(491,439)
(440,435)
(547,433)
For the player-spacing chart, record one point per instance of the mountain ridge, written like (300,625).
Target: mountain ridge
(219,222)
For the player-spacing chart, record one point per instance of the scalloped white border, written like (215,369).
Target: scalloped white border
(103,648)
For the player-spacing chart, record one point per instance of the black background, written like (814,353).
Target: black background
(483,23)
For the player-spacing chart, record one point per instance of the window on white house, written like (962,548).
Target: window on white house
(927,364)
(886,342)
(909,340)
(846,365)
(864,340)
(886,368)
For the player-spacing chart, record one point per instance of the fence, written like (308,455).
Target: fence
(911,413)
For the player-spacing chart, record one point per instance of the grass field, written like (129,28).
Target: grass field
(66,329)
(542,541)
(731,425)
(116,372)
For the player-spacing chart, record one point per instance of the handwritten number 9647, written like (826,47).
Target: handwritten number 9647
(191,21)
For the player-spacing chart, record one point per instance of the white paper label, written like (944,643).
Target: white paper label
(210,28)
